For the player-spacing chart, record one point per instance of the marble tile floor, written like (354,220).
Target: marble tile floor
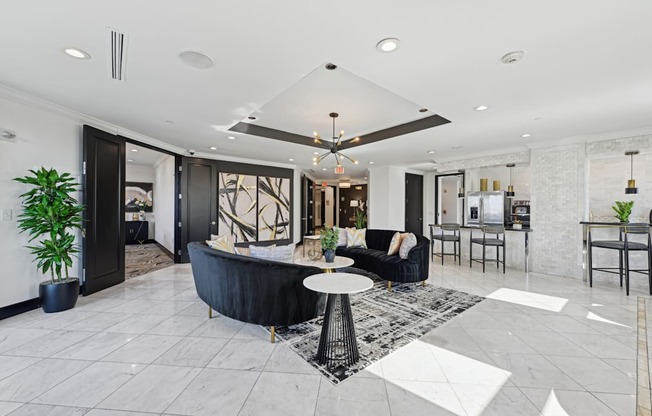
(539,345)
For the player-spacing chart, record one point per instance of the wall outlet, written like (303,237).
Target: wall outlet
(5,214)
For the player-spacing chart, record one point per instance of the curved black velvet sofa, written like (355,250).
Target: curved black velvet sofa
(374,258)
(253,290)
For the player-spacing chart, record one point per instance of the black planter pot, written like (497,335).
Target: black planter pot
(57,297)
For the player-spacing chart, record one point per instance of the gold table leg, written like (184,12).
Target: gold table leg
(272,331)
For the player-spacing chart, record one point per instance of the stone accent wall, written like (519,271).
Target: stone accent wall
(480,162)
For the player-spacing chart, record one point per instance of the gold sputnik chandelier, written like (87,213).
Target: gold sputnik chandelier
(334,145)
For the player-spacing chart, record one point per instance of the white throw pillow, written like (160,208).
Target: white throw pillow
(341,237)
(356,237)
(409,242)
(223,242)
(281,253)
(395,244)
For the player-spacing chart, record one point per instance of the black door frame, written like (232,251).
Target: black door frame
(177,191)
(460,173)
(405,178)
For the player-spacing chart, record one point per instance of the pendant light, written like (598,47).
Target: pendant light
(510,188)
(631,183)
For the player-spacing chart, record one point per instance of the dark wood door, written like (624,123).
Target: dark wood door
(414,203)
(198,202)
(310,229)
(104,198)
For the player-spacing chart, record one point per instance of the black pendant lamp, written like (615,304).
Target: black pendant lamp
(631,183)
(510,188)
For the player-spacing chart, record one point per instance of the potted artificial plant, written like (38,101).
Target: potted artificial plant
(49,215)
(360,219)
(623,210)
(329,238)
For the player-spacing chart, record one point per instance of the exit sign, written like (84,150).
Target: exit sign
(339,170)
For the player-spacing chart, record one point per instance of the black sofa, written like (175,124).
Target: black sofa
(374,258)
(253,290)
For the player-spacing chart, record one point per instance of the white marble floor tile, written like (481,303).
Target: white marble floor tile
(12,365)
(299,390)
(594,374)
(38,378)
(482,400)
(215,390)
(518,322)
(359,397)
(60,320)
(91,385)
(151,390)
(95,347)
(551,344)
(218,327)
(143,349)
(138,305)
(284,360)
(553,402)
(452,338)
(50,344)
(251,331)
(138,324)
(422,398)
(178,325)
(470,367)
(11,338)
(192,352)
(622,404)
(171,307)
(48,410)
(412,362)
(8,407)
(197,308)
(107,412)
(98,304)
(563,323)
(528,370)
(499,340)
(243,354)
(602,346)
(627,367)
(100,322)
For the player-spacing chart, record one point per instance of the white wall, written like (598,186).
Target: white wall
(386,206)
(140,173)
(44,139)
(164,201)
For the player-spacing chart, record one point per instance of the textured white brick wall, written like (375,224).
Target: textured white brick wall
(557,188)
(479,162)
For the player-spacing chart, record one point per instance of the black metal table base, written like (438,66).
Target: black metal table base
(337,343)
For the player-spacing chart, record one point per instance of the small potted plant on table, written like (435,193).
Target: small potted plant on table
(329,237)
(623,210)
(50,213)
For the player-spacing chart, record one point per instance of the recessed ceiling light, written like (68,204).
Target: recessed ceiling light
(130,160)
(457,147)
(430,152)
(251,118)
(77,53)
(196,59)
(512,57)
(525,135)
(231,137)
(330,66)
(423,110)
(134,150)
(323,168)
(169,121)
(388,45)
(371,163)
(291,160)
(213,148)
(364,177)
(315,153)
(481,108)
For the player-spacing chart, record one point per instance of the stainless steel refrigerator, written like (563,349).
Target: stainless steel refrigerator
(488,208)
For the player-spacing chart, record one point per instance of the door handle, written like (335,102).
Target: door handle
(212,222)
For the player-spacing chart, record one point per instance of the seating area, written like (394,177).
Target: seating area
(308,209)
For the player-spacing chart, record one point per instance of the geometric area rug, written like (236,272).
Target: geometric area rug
(384,322)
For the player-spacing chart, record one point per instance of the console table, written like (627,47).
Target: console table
(136,232)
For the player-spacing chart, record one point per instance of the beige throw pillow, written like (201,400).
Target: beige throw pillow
(222,242)
(395,244)
(356,237)
(409,241)
(341,237)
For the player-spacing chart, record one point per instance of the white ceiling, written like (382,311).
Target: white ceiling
(143,156)
(587,69)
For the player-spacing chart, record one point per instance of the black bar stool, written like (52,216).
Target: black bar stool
(624,245)
(453,228)
(485,241)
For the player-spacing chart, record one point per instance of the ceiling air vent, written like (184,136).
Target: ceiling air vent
(118,50)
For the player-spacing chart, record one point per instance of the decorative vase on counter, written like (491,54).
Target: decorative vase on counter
(141,215)
(483,184)
(329,256)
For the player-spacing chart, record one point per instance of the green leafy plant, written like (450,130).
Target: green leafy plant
(49,211)
(623,210)
(329,238)
(360,219)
